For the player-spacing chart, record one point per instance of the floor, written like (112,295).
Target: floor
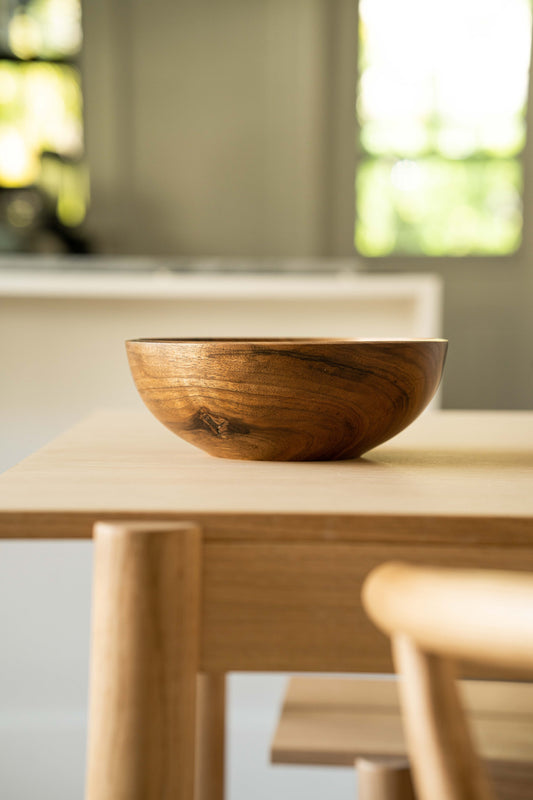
(54,745)
(254,704)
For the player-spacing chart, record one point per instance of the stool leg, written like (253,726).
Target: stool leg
(211,723)
(384,779)
(144,661)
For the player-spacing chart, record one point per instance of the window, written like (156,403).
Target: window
(43,180)
(441,109)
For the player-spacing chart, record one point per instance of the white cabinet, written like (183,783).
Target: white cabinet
(61,356)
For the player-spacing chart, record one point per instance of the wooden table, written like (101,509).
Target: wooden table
(286,546)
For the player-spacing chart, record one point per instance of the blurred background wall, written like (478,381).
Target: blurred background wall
(229,129)
(236,129)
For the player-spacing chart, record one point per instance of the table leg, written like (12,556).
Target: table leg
(211,723)
(144,661)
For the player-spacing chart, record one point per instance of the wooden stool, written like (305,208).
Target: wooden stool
(384,779)
(335,721)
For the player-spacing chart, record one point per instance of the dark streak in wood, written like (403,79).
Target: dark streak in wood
(217,425)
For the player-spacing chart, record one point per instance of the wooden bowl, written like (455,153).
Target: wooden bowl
(286,399)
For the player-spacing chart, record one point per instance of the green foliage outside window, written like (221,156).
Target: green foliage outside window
(441,111)
(43,178)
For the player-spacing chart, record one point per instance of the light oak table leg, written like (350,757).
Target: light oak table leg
(211,724)
(144,661)
(384,779)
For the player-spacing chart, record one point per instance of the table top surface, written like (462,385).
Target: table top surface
(469,466)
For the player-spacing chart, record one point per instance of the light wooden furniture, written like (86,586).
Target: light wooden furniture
(285,547)
(332,721)
(286,399)
(384,779)
(337,721)
(143,662)
(435,617)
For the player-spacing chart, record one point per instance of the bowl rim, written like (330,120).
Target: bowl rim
(287,340)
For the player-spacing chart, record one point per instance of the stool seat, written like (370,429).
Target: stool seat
(333,721)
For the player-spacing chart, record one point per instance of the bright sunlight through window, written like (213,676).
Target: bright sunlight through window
(441,109)
(43,178)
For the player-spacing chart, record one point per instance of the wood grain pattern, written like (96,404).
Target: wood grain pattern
(296,607)
(452,477)
(483,615)
(384,779)
(286,400)
(443,759)
(333,721)
(144,661)
(510,781)
(287,545)
(211,738)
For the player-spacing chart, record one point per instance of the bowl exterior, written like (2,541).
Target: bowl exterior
(290,401)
